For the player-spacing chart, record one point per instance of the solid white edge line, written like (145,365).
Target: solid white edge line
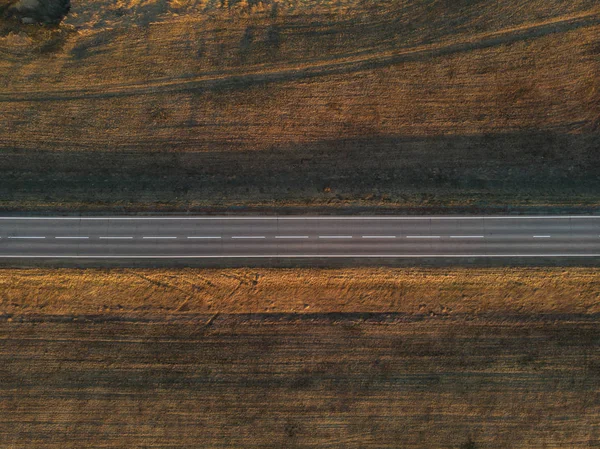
(303,256)
(327,217)
(378,236)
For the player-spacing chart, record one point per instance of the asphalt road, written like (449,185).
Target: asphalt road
(298,237)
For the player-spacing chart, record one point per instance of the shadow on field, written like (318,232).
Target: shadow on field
(443,171)
(319,382)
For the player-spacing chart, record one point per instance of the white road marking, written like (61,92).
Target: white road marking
(26,237)
(328,217)
(115,238)
(159,238)
(297,256)
(423,237)
(378,236)
(251,237)
(466,236)
(203,238)
(335,236)
(291,236)
(71,238)
(136,220)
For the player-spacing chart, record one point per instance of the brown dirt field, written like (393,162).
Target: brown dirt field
(187,106)
(369,358)
(342,382)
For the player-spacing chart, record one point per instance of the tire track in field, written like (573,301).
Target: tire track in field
(346,64)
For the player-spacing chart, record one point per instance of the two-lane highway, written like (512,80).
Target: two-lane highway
(197,237)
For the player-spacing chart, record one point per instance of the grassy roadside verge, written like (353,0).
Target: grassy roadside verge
(447,292)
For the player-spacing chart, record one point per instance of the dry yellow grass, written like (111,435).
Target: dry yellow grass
(470,71)
(188,105)
(452,292)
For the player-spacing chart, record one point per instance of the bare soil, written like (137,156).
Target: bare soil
(353,358)
(281,382)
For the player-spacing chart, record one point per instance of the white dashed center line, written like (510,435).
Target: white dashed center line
(335,236)
(246,237)
(249,237)
(466,236)
(291,237)
(203,238)
(115,238)
(26,237)
(159,238)
(71,238)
